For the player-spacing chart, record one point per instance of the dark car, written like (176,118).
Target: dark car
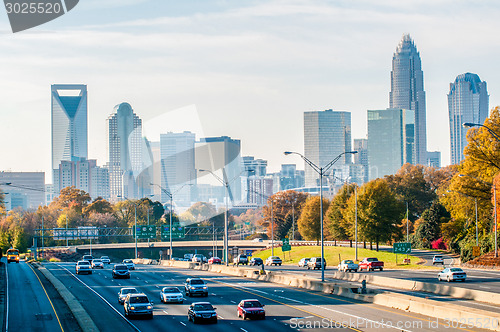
(256,261)
(202,312)
(195,286)
(121,271)
(251,309)
(87,258)
(138,305)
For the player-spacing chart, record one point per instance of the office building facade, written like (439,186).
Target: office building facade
(390,141)
(69,123)
(26,189)
(468,101)
(407,92)
(327,134)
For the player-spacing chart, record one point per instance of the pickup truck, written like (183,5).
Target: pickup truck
(370,264)
(347,265)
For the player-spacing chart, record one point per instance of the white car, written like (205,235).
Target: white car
(122,294)
(199,258)
(348,265)
(171,294)
(273,260)
(83,267)
(129,263)
(105,260)
(452,274)
(438,259)
(97,264)
(258,239)
(303,262)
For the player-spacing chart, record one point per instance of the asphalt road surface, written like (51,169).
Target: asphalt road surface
(33,303)
(286,308)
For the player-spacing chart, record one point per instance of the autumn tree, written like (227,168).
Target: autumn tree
(309,222)
(73,198)
(99,205)
(337,222)
(286,205)
(379,212)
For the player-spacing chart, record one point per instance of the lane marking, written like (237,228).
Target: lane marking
(47,297)
(165,312)
(243,329)
(102,298)
(182,323)
(220,317)
(233,302)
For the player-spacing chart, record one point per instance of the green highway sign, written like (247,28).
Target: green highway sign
(286,245)
(146,232)
(402,248)
(178,232)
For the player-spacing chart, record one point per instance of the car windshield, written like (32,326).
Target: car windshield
(243,256)
(104,257)
(372,259)
(139,299)
(129,290)
(438,256)
(203,307)
(171,290)
(274,257)
(252,304)
(348,262)
(197,282)
(96,261)
(83,263)
(127,261)
(257,259)
(456,270)
(121,267)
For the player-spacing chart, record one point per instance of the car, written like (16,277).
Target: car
(347,265)
(83,267)
(257,239)
(171,294)
(121,271)
(129,263)
(195,286)
(452,274)
(198,258)
(122,294)
(202,311)
(251,309)
(273,260)
(105,260)
(214,260)
(437,259)
(241,259)
(87,258)
(371,264)
(256,261)
(315,263)
(303,262)
(138,304)
(97,264)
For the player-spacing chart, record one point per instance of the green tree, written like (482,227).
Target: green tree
(309,221)
(284,204)
(379,212)
(99,205)
(337,221)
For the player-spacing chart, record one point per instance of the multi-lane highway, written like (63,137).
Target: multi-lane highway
(286,308)
(33,304)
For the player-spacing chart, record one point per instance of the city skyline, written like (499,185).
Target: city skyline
(270,72)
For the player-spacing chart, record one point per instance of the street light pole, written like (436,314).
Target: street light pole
(320,171)
(355,222)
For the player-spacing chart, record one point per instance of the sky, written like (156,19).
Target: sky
(244,69)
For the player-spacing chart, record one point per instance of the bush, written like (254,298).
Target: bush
(54,260)
(439,244)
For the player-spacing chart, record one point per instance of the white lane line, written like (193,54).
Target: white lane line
(233,302)
(379,323)
(243,329)
(220,317)
(485,287)
(165,312)
(182,323)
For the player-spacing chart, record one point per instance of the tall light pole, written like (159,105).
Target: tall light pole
(355,222)
(321,171)
(171,196)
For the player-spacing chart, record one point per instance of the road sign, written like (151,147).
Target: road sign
(402,248)
(476,251)
(178,232)
(249,253)
(146,232)
(286,245)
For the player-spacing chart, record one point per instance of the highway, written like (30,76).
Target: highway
(28,304)
(286,308)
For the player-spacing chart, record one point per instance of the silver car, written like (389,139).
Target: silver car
(171,294)
(452,274)
(97,264)
(83,267)
(122,294)
(138,304)
(130,264)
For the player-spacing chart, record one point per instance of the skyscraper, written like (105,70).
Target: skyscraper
(390,141)
(177,165)
(361,158)
(467,102)
(69,123)
(327,134)
(407,91)
(124,135)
